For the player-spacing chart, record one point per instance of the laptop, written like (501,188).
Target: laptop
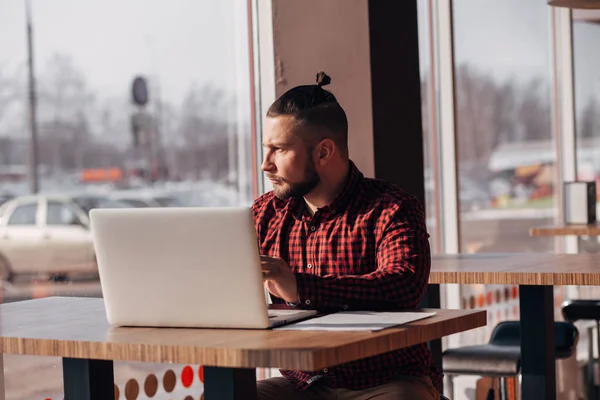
(183,267)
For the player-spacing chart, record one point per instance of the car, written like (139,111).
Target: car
(138,202)
(472,196)
(42,234)
(4,197)
(88,201)
(168,201)
(147,200)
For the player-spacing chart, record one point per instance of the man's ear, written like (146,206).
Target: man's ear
(325,151)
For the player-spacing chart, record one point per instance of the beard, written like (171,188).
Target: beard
(285,190)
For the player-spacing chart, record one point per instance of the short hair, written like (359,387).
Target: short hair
(313,105)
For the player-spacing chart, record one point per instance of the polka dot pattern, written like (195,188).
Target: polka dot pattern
(152,384)
(169,381)
(132,390)
(187,376)
(201,373)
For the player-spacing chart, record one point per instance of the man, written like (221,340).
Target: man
(334,240)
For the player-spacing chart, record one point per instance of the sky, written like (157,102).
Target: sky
(186,42)
(512,39)
(586,37)
(504,37)
(111,41)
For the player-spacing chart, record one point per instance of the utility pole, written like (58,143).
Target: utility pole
(33,142)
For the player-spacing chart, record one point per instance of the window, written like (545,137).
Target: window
(191,143)
(23,215)
(429,126)
(60,214)
(586,63)
(504,124)
(505,143)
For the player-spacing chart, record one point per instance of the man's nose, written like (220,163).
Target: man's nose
(267,165)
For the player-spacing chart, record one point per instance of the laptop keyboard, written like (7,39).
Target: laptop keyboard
(282,313)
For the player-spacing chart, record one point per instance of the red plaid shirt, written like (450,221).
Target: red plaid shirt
(367,250)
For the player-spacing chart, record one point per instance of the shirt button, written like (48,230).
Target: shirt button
(333,212)
(326,370)
(312,228)
(309,265)
(307,302)
(345,307)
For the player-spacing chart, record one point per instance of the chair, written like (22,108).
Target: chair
(501,357)
(586,310)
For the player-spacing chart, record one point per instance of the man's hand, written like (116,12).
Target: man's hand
(279,278)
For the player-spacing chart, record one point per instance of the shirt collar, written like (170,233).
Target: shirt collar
(297,206)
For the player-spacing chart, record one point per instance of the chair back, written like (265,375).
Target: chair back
(566,336)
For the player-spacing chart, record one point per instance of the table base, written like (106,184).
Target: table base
(88,379)
(229,383)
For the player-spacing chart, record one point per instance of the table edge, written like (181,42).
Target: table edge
(305,359)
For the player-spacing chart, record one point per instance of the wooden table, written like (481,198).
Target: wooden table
(536,274)
(566,230)
(76,330)
(587,234)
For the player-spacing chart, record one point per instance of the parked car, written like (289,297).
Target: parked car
(138,202)
(88,201)
(4,197)
(146,200)
(43,234)
(472,196)
(168,201)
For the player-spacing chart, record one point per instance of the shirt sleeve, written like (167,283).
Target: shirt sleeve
(399,282)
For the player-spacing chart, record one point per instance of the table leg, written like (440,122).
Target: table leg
(432,299)
(88,379)
(589,244)
(538,363)
(229,383)
(2,390)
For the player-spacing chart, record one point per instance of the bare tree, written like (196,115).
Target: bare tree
(204,132)
(589,118)
(65,107)
(11,92)
(6,149)
(505,109)
(476,98)
(63,90)
(534,114)
(7,97)
(489,113)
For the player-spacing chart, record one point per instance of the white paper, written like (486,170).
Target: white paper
(357,321)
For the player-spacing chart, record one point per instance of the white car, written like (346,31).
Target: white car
(46,235)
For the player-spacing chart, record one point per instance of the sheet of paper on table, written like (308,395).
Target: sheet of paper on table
(357,321)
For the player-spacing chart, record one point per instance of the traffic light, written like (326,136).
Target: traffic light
(139,91)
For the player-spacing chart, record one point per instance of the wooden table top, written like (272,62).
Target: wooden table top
(566,230)
(516,269)
(77,328)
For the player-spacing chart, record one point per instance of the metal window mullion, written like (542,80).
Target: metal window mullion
(565,130)
(264,78)
(447,129)
(448,200)
(265,68)
(566,134)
